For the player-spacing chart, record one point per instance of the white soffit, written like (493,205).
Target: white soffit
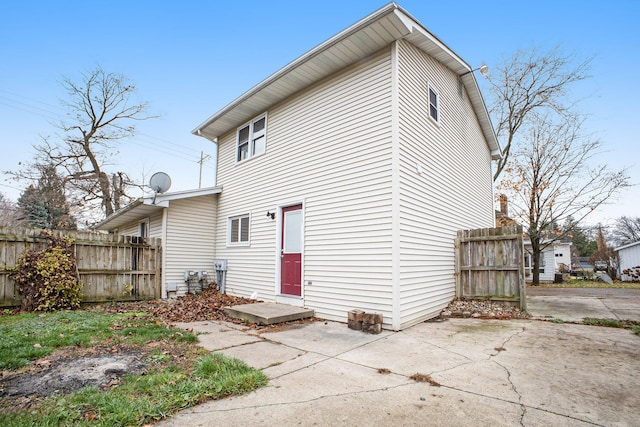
(143,208)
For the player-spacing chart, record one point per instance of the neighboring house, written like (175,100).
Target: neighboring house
(555,258)
(562,255)
(186,223)
(629,255)
(347,173)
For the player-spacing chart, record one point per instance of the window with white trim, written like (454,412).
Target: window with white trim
(434,104)
(143,228)
(239,230)
(252,139)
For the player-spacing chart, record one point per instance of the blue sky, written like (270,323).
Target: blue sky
(190,58)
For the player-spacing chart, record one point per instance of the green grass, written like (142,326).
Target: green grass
(171,383)
(28,337)
(143,399)
(580,283)
(613,323)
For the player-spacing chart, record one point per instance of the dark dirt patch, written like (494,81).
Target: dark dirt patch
(72,368)
(69,370)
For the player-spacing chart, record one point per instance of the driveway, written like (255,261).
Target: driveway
(473,372)
(574,304)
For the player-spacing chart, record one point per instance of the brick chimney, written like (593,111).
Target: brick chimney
(504,206)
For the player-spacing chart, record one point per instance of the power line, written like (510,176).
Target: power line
(170,147)
(28,111)
(39,101)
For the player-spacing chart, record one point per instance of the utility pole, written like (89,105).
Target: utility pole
(201,161)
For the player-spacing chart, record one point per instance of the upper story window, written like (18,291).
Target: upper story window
(434,104)
(252,139)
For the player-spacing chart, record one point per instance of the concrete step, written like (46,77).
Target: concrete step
(267,313)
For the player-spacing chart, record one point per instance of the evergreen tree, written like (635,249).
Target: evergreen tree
(45,204)
(582,242)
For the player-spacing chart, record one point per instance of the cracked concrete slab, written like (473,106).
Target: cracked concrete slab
(219,335)
(418,355)
(327,338)
(263,354)
(567,309)
(574,304)
(509,372)
(586,372)
(295,364)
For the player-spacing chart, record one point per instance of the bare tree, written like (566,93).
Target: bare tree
(10,214)
(528,84)
(550,180)
(605,257)
(626,230)
(102,113)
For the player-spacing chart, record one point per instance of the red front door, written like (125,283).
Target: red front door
(291,251)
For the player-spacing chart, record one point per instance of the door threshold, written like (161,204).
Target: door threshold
(293,300)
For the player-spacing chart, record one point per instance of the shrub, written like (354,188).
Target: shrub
(47,279)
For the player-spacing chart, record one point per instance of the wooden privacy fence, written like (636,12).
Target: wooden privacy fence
(490,264)
(111,267)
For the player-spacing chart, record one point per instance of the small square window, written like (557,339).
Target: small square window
(239,230)
(434,104)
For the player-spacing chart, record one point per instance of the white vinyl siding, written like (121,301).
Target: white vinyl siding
(190,239)
(547,263)
(562,253)
(154,226)
(189,243)
(445,183)
(329,149)
(629,259)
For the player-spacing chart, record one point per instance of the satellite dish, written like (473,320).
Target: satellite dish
(160,182)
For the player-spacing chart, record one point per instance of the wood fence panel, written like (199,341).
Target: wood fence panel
(110,267)
(490,264)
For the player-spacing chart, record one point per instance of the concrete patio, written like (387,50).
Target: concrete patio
(482,372)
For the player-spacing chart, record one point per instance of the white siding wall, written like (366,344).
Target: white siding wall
(133,228)
(453,192)
(548,260)
(549,265)
(189,243)
(629,258)
(329,147)
(562,254)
